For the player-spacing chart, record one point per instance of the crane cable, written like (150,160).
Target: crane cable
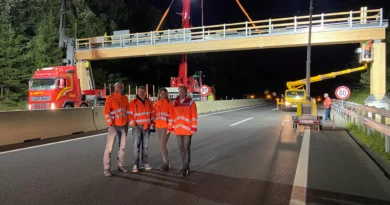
(246,14)
(164,16)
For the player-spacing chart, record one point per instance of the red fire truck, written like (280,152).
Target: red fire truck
(59,87)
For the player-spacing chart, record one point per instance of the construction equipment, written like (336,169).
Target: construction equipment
(68,85)
(295,92)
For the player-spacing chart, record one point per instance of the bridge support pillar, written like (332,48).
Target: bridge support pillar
(378,97)
(82,74)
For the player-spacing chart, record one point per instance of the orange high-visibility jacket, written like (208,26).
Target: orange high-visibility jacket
(115,110)
(140,113)
(185,118)
(327,102)
(162,114)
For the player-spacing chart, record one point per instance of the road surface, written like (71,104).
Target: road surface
(247,156)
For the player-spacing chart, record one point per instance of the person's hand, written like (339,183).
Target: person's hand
(193,132)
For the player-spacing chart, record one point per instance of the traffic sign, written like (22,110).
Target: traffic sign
(205,90)
(343,93)
(274,94)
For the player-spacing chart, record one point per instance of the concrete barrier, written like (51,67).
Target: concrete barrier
(19,126)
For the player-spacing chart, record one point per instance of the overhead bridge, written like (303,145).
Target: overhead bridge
(327,29)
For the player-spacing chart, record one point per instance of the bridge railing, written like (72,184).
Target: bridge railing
(370,119)
(296,24)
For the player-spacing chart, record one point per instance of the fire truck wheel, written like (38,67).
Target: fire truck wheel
(68,106)
(83,105)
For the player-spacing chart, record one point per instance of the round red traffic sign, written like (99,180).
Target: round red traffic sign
(205,90)
(343,92)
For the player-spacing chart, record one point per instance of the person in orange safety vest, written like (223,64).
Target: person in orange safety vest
(185,124)
(327,104)
(163,112)
(116,114)
(141,119)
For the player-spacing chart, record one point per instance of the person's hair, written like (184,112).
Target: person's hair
(141,88)
(184,87)
(163,89)
(117,83)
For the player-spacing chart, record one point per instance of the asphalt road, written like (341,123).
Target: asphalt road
(247,156)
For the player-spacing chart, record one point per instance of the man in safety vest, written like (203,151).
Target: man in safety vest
(116,114)
(327,104)
(185,124)
(141,120)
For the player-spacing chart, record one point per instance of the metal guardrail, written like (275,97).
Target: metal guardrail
(297,24)
(365,117)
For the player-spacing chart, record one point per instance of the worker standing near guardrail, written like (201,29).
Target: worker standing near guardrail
(327,104)
(185,124)
(116,114)
(163,112)
(141,120)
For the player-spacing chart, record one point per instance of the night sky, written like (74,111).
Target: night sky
(271,68)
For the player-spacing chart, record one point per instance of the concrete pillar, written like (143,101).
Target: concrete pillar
(378,96)
(83,76)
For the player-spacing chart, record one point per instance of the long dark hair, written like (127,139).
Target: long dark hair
(166,91)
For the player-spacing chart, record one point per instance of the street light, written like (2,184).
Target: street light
(309,55)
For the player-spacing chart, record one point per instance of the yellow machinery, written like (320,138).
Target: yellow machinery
(295,92)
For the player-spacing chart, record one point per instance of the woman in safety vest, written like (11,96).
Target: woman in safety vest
(185,124)
(162,113)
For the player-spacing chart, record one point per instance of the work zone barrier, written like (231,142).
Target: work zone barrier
(21,126)
(370,119)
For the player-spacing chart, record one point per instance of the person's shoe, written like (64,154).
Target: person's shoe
(123,169)
(165,167)
(147,167)
(107,173)
(185,171)
(135,168)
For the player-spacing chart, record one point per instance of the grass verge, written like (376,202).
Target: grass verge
(374,141)
(359,95)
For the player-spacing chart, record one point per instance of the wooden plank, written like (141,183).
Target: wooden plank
(260,42)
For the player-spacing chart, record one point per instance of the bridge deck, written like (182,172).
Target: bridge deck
(329,29)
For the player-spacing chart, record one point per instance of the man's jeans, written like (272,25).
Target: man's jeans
(327,114)
(140,143)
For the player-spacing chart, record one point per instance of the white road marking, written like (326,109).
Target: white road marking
(231,110)
(241,121)
(298,195)
(207,161)
(86,137)
(247,136)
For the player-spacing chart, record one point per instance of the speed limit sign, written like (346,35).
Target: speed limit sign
(205,90)
(343,92)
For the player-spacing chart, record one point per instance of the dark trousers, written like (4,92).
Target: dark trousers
(327,114)
(184,143)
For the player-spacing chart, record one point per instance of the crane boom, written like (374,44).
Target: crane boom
(298,84)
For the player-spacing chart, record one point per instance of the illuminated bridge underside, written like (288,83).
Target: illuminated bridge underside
(234,44)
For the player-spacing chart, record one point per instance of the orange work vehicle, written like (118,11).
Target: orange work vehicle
(59,87)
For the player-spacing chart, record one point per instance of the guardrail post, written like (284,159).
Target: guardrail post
(151,37)
(184,34)
(295,24)
(381,17)
(203,33)
(103,42)
(224,30)
(169,37)
(246,28)
(387,144)
(322,21)
(350,19)
(89,43)
(383,121)
(270,26)
(137,39)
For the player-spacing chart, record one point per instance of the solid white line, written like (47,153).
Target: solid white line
(208,161)
(241,121)
(231,110)
(298,195)
(86,137)
(60,142)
